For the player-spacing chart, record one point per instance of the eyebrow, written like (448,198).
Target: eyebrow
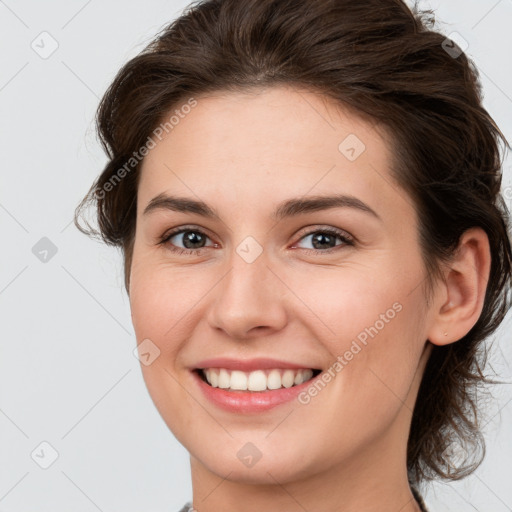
(289,208)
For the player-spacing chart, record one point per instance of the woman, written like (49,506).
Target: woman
(307,196)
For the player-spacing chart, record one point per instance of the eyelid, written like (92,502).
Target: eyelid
(314,228)
(180,229)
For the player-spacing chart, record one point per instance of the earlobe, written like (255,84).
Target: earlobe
(464,287)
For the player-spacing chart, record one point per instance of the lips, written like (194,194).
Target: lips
(247,401)
(249,365)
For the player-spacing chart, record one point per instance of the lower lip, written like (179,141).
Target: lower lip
(250,401)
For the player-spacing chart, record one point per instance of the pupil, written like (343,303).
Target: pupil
(322,236)
(192,237)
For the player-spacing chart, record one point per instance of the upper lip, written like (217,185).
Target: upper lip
(248,365)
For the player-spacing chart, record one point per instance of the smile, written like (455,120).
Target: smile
(258,380)
(251,387)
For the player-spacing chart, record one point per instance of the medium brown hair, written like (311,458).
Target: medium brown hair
(387,63)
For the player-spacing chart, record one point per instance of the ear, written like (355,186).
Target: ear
(460,301)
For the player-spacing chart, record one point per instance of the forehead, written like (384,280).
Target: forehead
(267,144)
(271,122)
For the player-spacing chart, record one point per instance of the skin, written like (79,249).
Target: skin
(243,154)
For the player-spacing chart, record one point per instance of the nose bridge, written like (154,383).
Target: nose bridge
(249,295)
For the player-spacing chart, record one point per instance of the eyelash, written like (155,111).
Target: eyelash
(342,235)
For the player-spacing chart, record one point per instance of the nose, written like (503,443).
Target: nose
(248,302)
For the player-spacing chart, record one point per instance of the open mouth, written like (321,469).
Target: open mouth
(255,381)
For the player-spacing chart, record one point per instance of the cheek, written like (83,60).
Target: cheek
(162,304)
(346,302)
(373,327)
(166,301)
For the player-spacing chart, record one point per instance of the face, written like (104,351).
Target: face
(310,259)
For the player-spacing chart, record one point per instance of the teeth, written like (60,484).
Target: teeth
(274,379)
(288,378)
(224,379)
(258,380)
(238,380)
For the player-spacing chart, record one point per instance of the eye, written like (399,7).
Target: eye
(324,240)
(193,240)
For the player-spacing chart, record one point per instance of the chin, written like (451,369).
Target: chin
(232,461)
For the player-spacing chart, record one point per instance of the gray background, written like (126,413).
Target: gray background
(68,376)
